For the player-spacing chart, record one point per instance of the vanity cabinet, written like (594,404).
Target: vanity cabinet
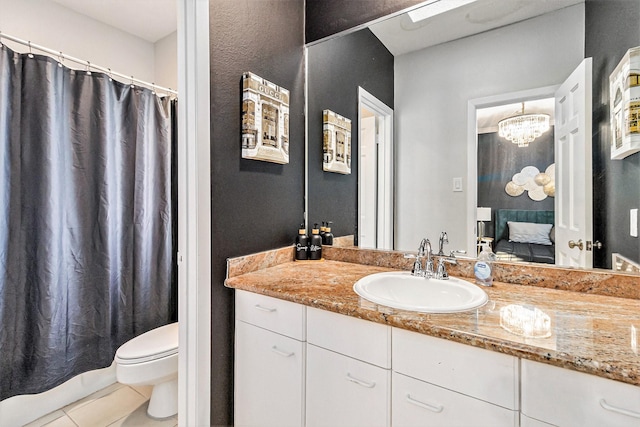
(348,371)
(443,383)
(270,359)
(566,398)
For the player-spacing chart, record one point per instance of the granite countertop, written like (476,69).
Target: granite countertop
(590,333)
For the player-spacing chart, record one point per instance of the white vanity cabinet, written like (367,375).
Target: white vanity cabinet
(269,361)
(348,371)
(566,398)
(443,383)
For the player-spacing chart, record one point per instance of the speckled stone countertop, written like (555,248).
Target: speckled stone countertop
(590,332)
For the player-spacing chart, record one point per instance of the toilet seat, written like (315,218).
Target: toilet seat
(152,345)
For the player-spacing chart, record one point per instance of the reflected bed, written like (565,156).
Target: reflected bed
(538,248)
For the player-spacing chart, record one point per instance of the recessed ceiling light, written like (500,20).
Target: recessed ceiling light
(435,7)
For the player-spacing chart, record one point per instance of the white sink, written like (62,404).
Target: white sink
(403,291)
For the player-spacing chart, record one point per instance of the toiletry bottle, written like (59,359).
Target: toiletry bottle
(328,235)
(302,244)
(483,268)
(315,244)
(323,230)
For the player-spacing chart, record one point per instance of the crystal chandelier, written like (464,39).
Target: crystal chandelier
(523,128)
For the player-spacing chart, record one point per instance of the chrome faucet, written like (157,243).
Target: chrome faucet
(441,273)
(443,239)
(424,251)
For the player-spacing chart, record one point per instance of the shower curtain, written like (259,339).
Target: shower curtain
(86,219)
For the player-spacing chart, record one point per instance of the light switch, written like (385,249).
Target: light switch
(633,223)
(457,184)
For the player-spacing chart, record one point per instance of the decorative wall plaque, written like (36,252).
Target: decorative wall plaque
(336,142)
(265,120)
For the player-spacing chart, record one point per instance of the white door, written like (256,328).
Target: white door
(375,182)
(573,198)
(367,181)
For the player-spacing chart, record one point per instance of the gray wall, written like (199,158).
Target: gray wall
(336,68)
(255,205)
(611,29)
(498,161)
(328,17)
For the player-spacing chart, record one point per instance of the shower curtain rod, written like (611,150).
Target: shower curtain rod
(61,57)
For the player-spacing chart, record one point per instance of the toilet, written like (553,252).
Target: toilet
(152,359)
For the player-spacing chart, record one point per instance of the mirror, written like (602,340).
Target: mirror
(433,93)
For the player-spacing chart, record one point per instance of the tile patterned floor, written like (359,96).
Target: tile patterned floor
(115,406)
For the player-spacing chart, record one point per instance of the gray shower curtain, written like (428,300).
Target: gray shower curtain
(86,220)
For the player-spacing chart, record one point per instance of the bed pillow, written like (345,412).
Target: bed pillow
(529,232)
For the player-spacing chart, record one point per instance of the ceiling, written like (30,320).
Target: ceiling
(401,35)
(150,20)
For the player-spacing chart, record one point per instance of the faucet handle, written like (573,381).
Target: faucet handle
(441,273)
(457,251)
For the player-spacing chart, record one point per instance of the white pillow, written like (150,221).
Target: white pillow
(528,232)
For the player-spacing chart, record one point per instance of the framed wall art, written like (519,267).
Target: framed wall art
(624,98)
(336,143)
(265,120)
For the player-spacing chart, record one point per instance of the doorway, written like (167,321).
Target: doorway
(375,179)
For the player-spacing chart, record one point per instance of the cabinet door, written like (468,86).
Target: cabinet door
(416,403)
(269,378)
(342,391)
(568,398)
(530,422)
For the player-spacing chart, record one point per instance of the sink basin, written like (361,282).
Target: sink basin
(403,291)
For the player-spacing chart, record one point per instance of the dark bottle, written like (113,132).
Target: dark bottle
(302,244)
(323,230)
(315,244)
(327,239)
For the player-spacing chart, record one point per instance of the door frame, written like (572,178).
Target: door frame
(194,215)
(472,147)
(385,215)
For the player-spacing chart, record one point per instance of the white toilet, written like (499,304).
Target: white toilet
(152,359)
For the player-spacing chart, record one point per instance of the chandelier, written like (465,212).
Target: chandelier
(523,128)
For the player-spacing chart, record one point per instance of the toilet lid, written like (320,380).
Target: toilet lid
(155,344)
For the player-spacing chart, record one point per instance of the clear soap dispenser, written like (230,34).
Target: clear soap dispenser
(483,268)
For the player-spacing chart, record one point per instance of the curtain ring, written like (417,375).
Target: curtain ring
(110,74)
(88,68)
(132,85)
(60,59)
(30,55)
(1,39)
(153,88)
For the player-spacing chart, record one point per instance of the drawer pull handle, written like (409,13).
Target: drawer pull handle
(276,350)
(269,310)
(433,408)
(622,411)
(360,382)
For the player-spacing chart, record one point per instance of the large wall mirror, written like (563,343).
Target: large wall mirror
(448,79)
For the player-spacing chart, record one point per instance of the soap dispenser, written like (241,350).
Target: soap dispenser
(315,244)
(483,269)
(302,244)
(327,239)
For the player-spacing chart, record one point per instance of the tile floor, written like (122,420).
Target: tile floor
(115,406)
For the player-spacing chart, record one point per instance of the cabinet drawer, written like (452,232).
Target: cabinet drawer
(568,398)
(361,339)
(342,391)
(479,373)
(269,378)
(284,317)
(416,403)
